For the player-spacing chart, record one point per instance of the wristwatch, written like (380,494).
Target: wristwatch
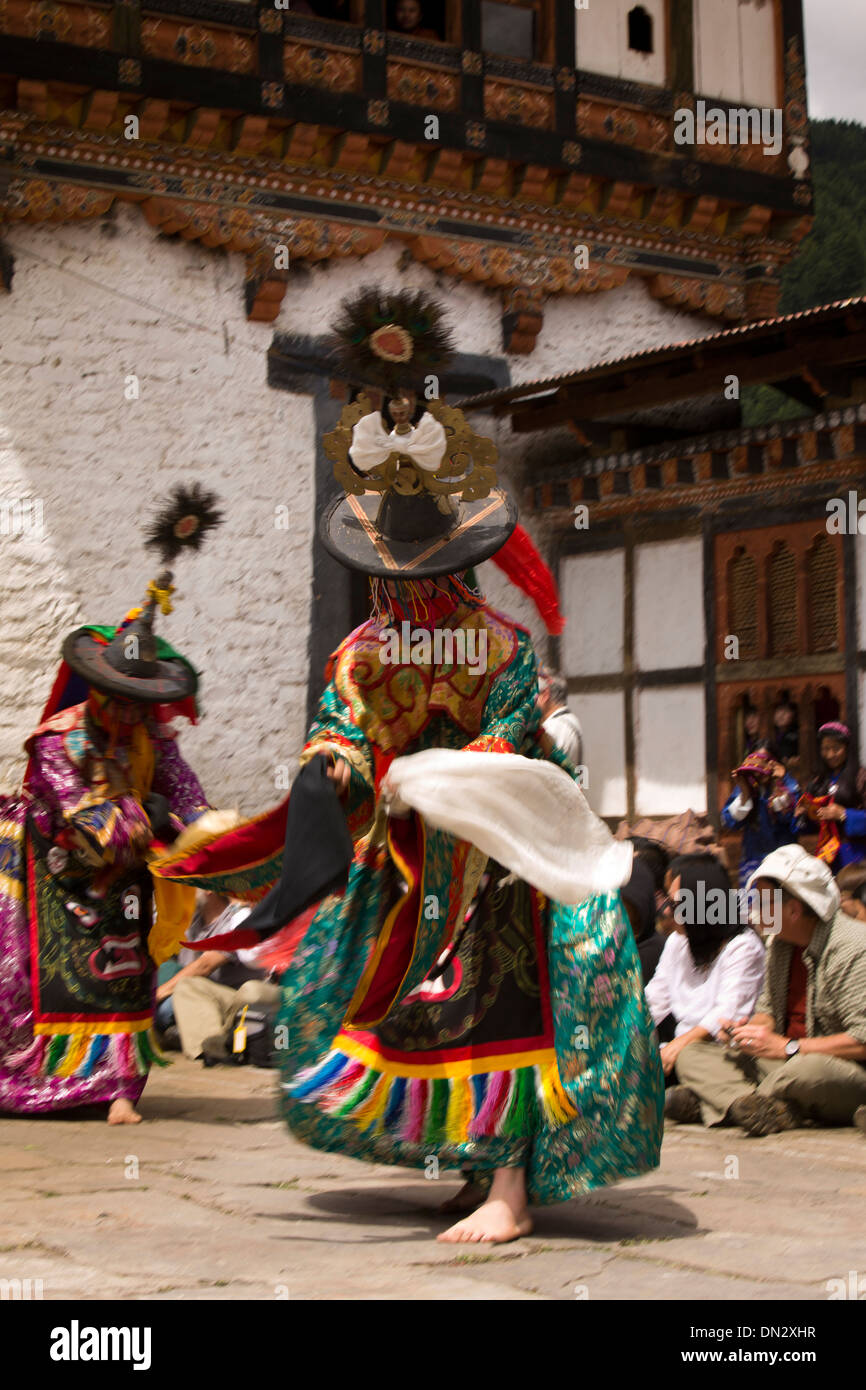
(792,1047)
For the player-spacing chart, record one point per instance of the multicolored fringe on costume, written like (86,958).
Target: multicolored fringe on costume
(436,1110)
(77,1054)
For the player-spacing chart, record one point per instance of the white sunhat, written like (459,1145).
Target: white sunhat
(804,876)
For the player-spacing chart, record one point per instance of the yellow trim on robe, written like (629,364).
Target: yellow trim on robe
(175,905)
(470,1066)
(93,1029)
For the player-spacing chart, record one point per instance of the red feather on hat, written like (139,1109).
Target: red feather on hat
(521,563)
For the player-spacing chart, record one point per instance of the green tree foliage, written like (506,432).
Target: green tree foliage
(831,261)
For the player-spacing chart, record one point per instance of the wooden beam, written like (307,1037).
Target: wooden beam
(201,127)
(99,110)
(249,133)
(594,400)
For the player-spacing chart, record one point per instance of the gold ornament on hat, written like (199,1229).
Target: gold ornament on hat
(467,467)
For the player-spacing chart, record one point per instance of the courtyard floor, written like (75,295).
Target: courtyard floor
(211,1198)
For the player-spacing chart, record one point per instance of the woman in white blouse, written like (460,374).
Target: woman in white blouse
(708,970)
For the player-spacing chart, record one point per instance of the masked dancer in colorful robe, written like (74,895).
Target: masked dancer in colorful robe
(461,986)
(104,785)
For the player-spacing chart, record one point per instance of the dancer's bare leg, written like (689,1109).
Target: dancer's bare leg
(122,1112)
(502,1217)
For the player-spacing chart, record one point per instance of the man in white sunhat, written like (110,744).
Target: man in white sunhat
(802,1056)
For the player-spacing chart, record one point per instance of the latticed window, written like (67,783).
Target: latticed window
(822,597)
(782,600)
(743,602)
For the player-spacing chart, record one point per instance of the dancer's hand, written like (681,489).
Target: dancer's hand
(340,774)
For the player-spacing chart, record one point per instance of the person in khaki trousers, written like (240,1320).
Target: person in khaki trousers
(210,991)
(802,1056)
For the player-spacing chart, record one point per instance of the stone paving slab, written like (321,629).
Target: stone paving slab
(211,1198)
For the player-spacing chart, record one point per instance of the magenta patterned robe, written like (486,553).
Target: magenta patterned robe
(41,1073)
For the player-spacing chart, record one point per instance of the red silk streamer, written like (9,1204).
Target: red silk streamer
(521,563)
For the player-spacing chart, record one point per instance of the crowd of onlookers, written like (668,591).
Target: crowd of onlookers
(770,1036)
(758,996)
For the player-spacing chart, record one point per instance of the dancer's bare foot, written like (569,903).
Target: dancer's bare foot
(503,1217)
(494,1221)
(470,1196)
(121,1112)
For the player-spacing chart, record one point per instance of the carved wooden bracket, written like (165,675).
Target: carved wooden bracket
(522,319)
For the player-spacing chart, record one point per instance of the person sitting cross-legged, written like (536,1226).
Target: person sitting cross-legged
(712,964)
(801,1057)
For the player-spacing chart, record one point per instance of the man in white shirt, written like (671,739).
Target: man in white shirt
(558,720)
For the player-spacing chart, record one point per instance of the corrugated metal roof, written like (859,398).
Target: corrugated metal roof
(669,351)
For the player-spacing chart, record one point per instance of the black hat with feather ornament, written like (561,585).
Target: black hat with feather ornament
(131,664)
(421,492)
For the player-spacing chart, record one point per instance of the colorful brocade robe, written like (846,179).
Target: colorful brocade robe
(76,978)
(438,1007)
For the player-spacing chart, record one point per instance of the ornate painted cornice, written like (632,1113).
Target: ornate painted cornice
(259,131)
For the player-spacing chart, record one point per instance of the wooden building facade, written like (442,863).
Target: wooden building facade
(705,567)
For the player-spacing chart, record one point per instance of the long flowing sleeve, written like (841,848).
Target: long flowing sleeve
(175,780)
(511,714)
(100,829)
(337,733)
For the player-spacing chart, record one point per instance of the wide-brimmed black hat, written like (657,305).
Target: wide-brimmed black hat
(422,496)
(128,666)
(133,663)
(388,535)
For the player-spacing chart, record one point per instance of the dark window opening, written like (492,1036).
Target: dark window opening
(508,30)
(720,465)
(417,19)
(590,489)
(640,30)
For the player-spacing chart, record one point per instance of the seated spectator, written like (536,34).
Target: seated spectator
(711,967)
(762,805)
(639,899)
(211,988)
(835,799)
(676,864)
(408,19)
(852,886)
(753,739)
(656,858)
(802,1055)
(557,719)
(785,738)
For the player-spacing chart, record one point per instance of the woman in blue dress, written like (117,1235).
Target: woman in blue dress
(762,805)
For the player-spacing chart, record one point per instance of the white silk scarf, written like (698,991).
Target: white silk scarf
(526,813)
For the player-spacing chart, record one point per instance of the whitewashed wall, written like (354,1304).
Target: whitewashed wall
(736,50)
(592,591)
(90,305)
(602,722)
(669,604)
(95,302)
(602,41)
(670,750)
